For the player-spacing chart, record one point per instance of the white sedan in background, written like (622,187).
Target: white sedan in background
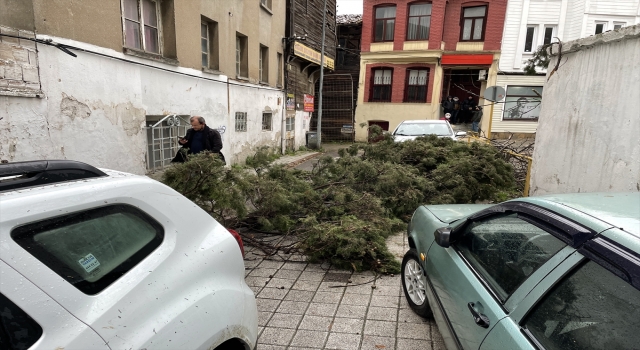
(412,129)
(98,259)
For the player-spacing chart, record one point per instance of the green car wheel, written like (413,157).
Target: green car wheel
(414,284)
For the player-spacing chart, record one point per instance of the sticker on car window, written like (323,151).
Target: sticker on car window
(89,262)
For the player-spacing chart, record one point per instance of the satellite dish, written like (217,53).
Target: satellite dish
(494,93)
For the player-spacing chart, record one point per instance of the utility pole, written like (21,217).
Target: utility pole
(324,26)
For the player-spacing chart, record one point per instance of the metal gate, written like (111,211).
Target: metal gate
(162,140)
(338,101)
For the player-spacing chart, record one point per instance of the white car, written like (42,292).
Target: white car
(99,259)
(412,129)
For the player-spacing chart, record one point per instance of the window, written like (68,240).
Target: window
(506,250)
(141,31)
(419,22)
(416,89)
(549,33)
(600,27)
(17,329)
(92,249)
(381,85)
(209,43)
(385,23)
(241,121)
(529,41)
(522,102)
(590,309)
(264,64)
(242,68)
(291,123)
(473,22)
(279,81)
(618,25)
(266,121)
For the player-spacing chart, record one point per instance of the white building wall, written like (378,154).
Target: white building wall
(587,137)
(94,109)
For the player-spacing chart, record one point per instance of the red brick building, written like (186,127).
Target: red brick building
(415,52)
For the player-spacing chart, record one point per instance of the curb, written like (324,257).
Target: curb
(302,160)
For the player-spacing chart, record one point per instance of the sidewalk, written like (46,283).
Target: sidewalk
(313,306)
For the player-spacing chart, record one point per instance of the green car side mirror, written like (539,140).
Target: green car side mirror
(443,236)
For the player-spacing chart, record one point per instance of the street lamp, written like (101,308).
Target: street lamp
(324,25)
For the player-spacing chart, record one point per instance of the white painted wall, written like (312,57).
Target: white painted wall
(94,109)
(587,136)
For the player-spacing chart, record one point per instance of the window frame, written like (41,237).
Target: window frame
(553,34)
(620,24)
(373,84)
(384,26)
(420,16)
(242,64)
(604,27)
(263,64)
(532,45)
(484,23)
(23,236)
(241,123)
(279,78)
(407,85)
(270,121)
(290,123)
(207,51)
(266,4)
(141,25)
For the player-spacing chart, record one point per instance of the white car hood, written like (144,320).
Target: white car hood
(399,138)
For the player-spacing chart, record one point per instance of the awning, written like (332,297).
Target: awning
(468,60)
(311,55)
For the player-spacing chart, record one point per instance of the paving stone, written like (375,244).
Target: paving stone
(308,338)
(338,277)
(361,289)
(414,331)
(279,283)
(300,295)
(272,347)
(287,274)
(317,267)
(380,328)
(306,285)
(347,325)
(251,263)
(263,317)
(270,264)
(280,320)
(294,265)
(389,281)
(276,336)
(387,290)
(256,281)
(407,315)
(384,301)
(269,305)
(311,276)
(327,297)
(316,323)
(273,293)
(333,287)
(381,313)
(436,337)
(403,302)
(438,346)
(293,307)
(355,299)
(343,341)
(263,272)
(351,311)
(413,344)
(256,290)
(370,342)
(321,309)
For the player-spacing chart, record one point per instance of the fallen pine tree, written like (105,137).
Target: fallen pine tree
(343,210)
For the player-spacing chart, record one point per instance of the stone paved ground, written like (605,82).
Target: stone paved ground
(308,306)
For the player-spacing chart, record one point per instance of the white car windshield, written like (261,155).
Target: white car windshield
(419,129)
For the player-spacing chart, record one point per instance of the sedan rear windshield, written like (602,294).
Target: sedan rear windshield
(420,129)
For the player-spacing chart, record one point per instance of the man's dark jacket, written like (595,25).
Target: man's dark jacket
(212,142)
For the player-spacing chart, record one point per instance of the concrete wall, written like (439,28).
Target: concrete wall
(94,109)
(588,131)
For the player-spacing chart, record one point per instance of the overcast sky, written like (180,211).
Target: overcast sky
(348,7)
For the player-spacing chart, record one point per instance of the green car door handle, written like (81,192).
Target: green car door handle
(480,319)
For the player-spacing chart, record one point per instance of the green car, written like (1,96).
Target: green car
(549,272)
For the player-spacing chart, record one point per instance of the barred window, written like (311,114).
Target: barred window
(291,123)
(381,85)
(241,121)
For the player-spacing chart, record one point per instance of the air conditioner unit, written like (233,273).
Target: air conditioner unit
(482,76)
